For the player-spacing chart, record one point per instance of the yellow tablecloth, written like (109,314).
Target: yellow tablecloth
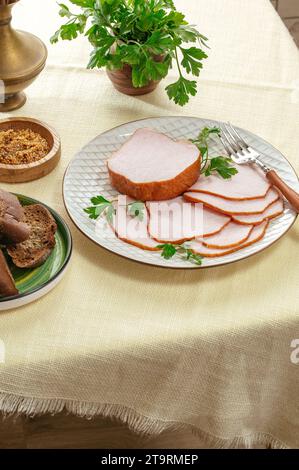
(158,348)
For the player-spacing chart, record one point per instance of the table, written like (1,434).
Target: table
(210,349)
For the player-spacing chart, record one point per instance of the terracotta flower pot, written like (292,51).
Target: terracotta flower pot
(122,80)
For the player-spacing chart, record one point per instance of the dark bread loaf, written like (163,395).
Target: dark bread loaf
(12,226)
(7,284)
(37,248)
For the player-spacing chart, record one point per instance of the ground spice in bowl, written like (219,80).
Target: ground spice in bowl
(21,146)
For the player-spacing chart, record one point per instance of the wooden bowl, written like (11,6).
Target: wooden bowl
(40,168)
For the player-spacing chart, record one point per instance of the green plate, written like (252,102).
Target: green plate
(33,283)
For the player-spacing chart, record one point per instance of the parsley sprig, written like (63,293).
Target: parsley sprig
(169,251)
(222,165)
(148,35)
(136,209)
(102,207)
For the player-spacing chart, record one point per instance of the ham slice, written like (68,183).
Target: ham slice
(176,221)
(232,235)
(274,210)
(256,234)
(253,206)
(213,222)
(151,166)
(130,229)
(249,183)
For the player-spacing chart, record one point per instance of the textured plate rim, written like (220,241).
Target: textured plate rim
(223,263)
(65,263)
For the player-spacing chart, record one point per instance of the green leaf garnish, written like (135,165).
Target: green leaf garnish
(221,165)
(179,91)
(203,137)
(101,206)
(136,209)
(169,250)
(110,212)
(148,35)
(192,58)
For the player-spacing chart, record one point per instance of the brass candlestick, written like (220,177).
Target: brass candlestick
(22,58)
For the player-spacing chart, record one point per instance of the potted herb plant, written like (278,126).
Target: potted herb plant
(138,41)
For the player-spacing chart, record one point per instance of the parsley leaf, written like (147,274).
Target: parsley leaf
(222,165)
(99,200)
(193,257)
(187,33)
(179,91)
(147,35)
(64,11)
(136,209)
(101,206)
(192,58)
(110,212)
(159,41)
(203,138)
(156,70)
(169,250)
(84,3)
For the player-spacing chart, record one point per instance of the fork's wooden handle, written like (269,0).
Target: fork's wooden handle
(288,192)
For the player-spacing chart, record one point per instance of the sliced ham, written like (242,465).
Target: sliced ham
(274,210)
(249,183)
(176,221)
(130,229)
(232,235)
(213,222)
(253,206)
(256,234)
(151,166)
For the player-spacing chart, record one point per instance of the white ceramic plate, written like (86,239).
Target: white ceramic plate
(87,176)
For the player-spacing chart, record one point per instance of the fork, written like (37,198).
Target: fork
(240,152)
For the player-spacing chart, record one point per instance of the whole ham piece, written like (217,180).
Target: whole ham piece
(151,166)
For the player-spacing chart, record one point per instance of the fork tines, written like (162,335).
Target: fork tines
(231,140)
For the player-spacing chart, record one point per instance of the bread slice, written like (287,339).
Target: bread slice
(7,283)
(37,248)
(150,166)
(12,226)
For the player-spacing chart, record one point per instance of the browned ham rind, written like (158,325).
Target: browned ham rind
(257,234)
(249,183)
(130,229)
(177,221)
(274,210)
(232,235)
(253,206)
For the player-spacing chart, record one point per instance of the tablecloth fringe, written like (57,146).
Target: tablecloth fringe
(140,424)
